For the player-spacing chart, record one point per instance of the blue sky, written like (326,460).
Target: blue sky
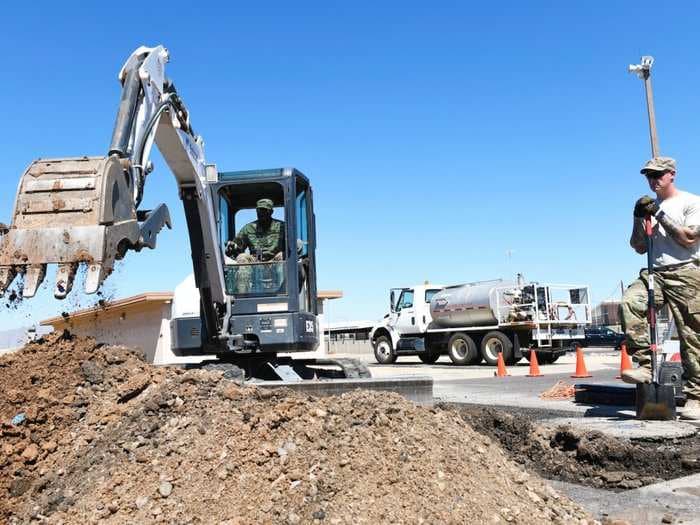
(437,137)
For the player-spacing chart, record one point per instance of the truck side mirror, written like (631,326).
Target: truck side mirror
(392,301)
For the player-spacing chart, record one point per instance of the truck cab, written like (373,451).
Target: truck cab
(401,330)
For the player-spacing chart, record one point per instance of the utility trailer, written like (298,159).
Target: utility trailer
(473,322)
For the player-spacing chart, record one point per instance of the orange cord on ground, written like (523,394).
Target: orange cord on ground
(561,390)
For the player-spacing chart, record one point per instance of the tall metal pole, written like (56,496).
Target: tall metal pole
(643,71)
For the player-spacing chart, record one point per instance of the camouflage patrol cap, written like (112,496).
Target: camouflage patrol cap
(663,164)
(265,204)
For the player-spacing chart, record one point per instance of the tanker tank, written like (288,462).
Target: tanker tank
(476,304)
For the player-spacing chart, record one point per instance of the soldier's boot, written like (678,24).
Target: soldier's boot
(691,410)
(637,375)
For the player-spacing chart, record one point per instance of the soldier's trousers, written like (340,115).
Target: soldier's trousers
(680,289)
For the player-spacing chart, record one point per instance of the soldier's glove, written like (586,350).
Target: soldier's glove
(645,206)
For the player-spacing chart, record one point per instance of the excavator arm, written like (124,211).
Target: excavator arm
(85,210)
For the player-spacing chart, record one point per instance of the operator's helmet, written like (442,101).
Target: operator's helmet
(265,204)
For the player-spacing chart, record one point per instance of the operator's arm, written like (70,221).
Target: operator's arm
(686,236)
(638,238)
(238,244)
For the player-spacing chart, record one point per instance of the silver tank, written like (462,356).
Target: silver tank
(471,304)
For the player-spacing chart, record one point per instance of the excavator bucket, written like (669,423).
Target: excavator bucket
(71,211)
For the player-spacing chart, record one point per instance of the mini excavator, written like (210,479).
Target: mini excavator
(85,211)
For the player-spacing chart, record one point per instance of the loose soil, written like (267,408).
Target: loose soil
(100,436)
(584,457)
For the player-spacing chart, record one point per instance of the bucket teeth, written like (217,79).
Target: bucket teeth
(96,273)
(33,279)
(7,275)
(65,275)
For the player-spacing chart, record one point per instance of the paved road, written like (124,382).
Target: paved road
(477,384)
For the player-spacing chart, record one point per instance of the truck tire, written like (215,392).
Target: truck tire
(494,342)
(462,349)
(383,351)
(543,358)
(429,357)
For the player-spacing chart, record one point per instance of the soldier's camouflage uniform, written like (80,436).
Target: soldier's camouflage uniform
(679,287)
(264,245)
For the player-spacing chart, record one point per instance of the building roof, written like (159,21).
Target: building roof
(144,298)
(342,326)
(112,306)
(329,294)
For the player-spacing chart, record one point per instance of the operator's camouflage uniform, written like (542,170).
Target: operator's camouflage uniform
(264,245)
(678,287)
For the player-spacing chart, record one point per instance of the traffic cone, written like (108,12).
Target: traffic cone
(580,365)
(501,367)
(676,358)
(625,363)
(534,366)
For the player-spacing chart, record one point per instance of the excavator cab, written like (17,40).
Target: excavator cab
(273,294)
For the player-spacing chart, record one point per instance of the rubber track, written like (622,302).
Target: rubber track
(352,368)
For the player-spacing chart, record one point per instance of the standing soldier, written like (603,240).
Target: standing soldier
(676,255)
(264,240)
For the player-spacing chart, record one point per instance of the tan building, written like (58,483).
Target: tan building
(143,321)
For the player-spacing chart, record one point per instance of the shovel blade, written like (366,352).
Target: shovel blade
(656,402)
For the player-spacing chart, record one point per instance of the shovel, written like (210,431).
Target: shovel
(654,401)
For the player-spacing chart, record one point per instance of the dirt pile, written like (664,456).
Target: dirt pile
(584,457)
(100,436)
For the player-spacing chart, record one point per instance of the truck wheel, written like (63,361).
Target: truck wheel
(429,357)
(543,358)
(494,342)
(462,349)
(383,351)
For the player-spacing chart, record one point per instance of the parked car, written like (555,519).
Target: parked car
(602,336)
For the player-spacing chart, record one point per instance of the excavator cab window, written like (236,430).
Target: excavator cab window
(253,239)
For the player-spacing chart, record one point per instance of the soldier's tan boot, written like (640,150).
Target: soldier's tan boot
(691,410)
(637,375)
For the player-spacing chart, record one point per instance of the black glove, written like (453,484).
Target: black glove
(645,206)
(231,248)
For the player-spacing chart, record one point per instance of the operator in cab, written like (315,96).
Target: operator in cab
(264,238)
(676,261)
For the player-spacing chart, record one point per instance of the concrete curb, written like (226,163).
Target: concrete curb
(418,389)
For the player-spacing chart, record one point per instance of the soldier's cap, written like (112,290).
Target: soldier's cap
(662,164)
(265,204)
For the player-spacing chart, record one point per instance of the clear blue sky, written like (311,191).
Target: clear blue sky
(437,137)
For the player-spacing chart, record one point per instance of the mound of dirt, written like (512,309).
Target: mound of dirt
(584,457)
(91,433)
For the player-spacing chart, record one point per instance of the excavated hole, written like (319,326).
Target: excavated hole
(587,458)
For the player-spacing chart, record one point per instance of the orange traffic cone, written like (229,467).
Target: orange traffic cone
(501,367)
(580,364)
(534,365)
(625,363)
(676,358)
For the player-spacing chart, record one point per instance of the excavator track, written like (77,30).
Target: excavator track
(352,368)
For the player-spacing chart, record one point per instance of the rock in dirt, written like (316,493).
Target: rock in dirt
(133,387)
(31,453)
(265,456)
(165,488)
